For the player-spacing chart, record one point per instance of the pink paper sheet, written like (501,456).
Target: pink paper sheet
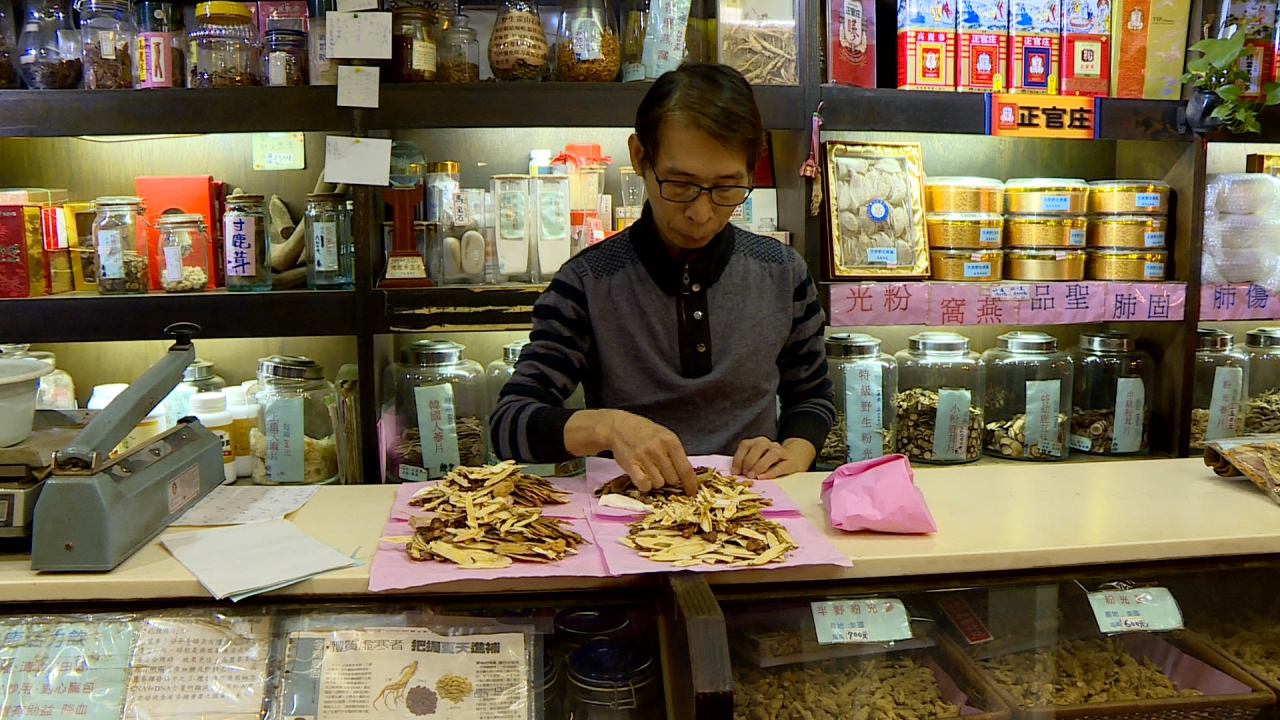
(579,496)
(622,560)
(602,470)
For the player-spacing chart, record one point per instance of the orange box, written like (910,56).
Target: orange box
(927,44)
(167,195)
(1148,47)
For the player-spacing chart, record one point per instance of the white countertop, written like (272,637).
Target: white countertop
(990,518)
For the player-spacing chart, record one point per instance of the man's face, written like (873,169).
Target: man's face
(692,156)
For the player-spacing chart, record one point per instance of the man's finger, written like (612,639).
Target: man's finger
(670,478)
(786,467)
(743,447)
(754,453)
(638,477)
(771,455)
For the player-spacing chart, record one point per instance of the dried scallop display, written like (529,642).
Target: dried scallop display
(875,196)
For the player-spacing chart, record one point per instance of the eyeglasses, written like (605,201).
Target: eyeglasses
(686,192)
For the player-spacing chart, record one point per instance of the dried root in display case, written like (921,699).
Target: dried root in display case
(1253,642)
(762,49)
(1077,672)
(875,197)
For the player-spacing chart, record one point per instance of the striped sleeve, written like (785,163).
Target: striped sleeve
(528,421)
(806,393)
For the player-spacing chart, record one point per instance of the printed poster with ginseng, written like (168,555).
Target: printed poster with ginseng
(412,673)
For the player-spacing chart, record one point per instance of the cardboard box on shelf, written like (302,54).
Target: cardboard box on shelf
(167,195)
(1258,60)
(982,34)
(1148,47)
(282,15)
(21,252)
(1086,47)
(926,44)
(851,42)
(1262,163)
(32,196)
(84,257)
(56,241)
(1035,46)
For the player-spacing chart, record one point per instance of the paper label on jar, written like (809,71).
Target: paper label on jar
(863,410)
(1055,203)
(277,64)
(1153,239)
(1153,271)
(555,214)
(977,269)
(284,439)
(1146,200)
(951,428)
(989,236)
(241,238)
(512,244)
(424,56)
(461,209)
(586,39)
(1131,397)
(410,473)
(1079,442)
(173,264)
(110,255)
(517,37)
(1077,238)
(1224,404)
(437,432)
(632,72)
(155,60)
(881,255)
(107,44)
(324,239)
(867,620)
(1041,429)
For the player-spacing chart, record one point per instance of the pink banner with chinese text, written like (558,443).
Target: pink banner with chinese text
(968,304)
(1144,301)
(889,303)
(1238,301)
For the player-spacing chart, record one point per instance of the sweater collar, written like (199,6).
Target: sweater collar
(668,272)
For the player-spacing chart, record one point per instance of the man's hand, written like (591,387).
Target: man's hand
(650,453)
(763,459)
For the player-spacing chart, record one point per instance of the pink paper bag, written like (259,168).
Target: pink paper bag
(877,495)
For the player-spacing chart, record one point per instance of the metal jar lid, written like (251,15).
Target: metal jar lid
(851,345)
(198,370)
(1107,341)
(433,352)
(448,167)
(1214,339)
(290,367)
(1263,337)
(1020,341)
(511,351)
(939,342)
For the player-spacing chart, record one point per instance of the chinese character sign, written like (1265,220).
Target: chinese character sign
(951,429)
(1048,116)
(864,410)
(1225,417)
(1130,421)
(869,620)
(1150,609)
(1145,301)
(1042,418)
(438,433)
(285,440)
(240,235)
(65,670)
(863,304)
(1239,301)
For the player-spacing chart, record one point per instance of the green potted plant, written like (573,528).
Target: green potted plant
(1218,81)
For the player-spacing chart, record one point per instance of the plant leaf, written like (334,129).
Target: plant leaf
(1229,93)
(1222,111)
(1222,53)
(1243,112)
(1253,126)
(1198,65)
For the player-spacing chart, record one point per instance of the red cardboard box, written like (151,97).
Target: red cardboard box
(165,196)
(282,14)
(851,42)
(21,252)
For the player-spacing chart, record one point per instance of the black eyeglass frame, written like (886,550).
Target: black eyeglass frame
(710,191)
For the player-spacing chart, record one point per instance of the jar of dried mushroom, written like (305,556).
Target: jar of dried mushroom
(1126,197)
(413,44)
(1111,408)
(107,32)
(518,45)
(48,49)
(938,406)
(295,442)
(184,253)
(1060,196)
(459,57)
(244,233)
(434,412)
(284,58)
(866,381)
(1262,406)
(587,47)
(965,230)
(963,195)
(1028,404)
(224,46)
(1218,394)
(122,263)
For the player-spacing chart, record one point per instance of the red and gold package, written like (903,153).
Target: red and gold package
(926,45)
(21,252)
(851,42)
(1035,46)
(982,36)
(56,240)
(1086,47)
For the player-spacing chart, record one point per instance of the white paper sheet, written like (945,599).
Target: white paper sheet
(357,161)
(356,35)
(358,86)
(232,505)
(236,560)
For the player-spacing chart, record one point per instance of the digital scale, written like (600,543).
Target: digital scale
(23,467)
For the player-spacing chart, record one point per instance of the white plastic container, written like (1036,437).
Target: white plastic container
(244,417)
(19,383)
(156,421)
(211,410)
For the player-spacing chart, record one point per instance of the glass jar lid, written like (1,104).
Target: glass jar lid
(290,367)
(850,345)
(179,219)
(1214,339)
(511,351)
(1263,337)
(118,201)
(433,352)
(1020,341)
(448,167)
(964,182)
(939,342)
(1106,341)
(606,665)
(460,25)
(13,350)
(198,370)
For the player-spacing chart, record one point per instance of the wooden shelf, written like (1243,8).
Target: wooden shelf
(482,307)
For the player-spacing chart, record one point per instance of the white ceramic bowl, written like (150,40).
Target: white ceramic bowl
(19,381)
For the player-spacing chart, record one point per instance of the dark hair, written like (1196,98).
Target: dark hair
(715,99)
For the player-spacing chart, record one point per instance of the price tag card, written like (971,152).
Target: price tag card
(357,86)
(279,151)
(1150,609)
(357,161)
(869,620)
(890,303)
(359,35)
(1238,301)
(1144,301)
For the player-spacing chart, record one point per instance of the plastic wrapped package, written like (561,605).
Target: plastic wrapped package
(65,665)
(759,39)
(1242,230)
(1256,457)
(875,195)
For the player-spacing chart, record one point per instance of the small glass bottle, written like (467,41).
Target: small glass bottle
(866,381)
(587,47)
(1111,400)
(321,69)
(107,32)
(413,45)
(244,233)
(48,49)
(284,58)
(122,268)
(296,441)
(330,263)
(941,390)
(1262,414)
(634,15)
(159,60)
(1029,384)
(1218,394)
(518,45)
(434,412)
(184,253)
(224,46)
(459,59)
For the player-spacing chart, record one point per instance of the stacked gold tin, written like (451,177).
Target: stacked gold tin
(1128,222)
(1045,228)
(965,228)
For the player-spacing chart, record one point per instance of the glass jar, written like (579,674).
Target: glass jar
(587,47)
(866,381)
(107,34)
(198,377)
(442,182)
(497,374)
(48,49)
(634,15)
(550,696)
(1029,384)
(159,60)
(697,44)
(8,62)
(939,402)
(1262,407)
(1218,394)
(329,266)
(294,399)
(284,58)
(433,386)
(462,256)
(122,268)
(1110,412)
(244,232)
(459,60)
(184,253)
(224,46)
(320,68)
(612,681)
(57,391)
(413,45)
(518,45)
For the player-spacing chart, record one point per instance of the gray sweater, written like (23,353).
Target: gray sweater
(701,348)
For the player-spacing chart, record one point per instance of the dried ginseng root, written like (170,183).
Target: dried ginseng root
(501,480)
(894,688)
(1075,672)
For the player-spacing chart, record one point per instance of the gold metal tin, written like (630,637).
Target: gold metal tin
(1128,231)
(875,194)
(1117,197)
(1111,264)
(965,230)
(1045,231)
(960,265)
(963,195)
(1059,196)
(1044,264)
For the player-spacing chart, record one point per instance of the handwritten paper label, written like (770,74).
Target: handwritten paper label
(951,429)
(864,410)
(1153,239)
(173,264)
(357,161)
(283,417)
(871,620)
(1224,405)
(359,35)
(1079,442)
(1150,609)
(1009,292)
(242,245)
(1131,396)
(110,255)
(358,86)
(439,435)
(1042,428)
(279,151)
(324,239)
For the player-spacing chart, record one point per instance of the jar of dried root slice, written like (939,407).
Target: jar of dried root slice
(1112,395)
(1262,406)
(866,381)
(1218,394)
(939,405)
(1029,384)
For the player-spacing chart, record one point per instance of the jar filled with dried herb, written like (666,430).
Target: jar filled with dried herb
(122,266)
(159,60)
(224,46)
(321,69)
(296,438)
(518,45)
(244,237)
(1218,394)
(48,49)
(866,381)
(459,52)
(1262,409)
(184,253)
(634,15)
(284,58)
(107,34)
(413,45)
(941,390)
(1112,396)
(1028,406)
(587,48)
